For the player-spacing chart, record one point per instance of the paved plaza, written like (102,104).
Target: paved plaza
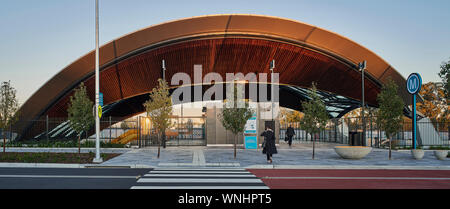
(298,155)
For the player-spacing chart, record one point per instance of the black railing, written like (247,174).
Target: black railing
(429,133)
(136,131)
(340,131)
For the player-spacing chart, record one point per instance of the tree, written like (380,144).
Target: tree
(159,108)
(235,116)
(435,104)
(290,116)
(316,115)
(8,108)
(80,112)
(445,76)
(391,110)
(354,118)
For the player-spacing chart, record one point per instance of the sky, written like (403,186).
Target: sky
(39,38)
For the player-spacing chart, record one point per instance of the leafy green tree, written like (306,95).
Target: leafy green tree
(445,76)
(80,112)
(159,108)
(391,110)
(236,112)
(316,115)
(8,108)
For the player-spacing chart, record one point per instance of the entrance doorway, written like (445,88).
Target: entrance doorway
(185,131)
(270,124)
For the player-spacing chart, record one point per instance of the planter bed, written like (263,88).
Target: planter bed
(48,157)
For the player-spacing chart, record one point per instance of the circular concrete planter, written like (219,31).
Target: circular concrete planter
(352,152)
(417,153)
(441,154)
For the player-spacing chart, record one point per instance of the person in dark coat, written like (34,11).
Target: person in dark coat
(290,133)
(269,144)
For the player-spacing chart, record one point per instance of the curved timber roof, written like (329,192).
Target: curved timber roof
(130,65)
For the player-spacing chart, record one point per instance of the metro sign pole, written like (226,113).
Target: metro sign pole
(413,85)
(97,158)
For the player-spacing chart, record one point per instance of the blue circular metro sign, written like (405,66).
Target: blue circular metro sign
(413,83)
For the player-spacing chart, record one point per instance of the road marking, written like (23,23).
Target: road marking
(199,169)
(198,164)
(363,178)
(62,176)
(197,180)
(234,172)
(199,187)
(198,158)
(199,175)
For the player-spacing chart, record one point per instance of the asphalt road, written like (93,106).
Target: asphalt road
(69,178)
(126,178)
(353,179)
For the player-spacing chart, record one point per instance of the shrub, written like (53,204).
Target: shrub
(439,148)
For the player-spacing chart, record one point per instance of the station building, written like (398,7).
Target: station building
(237,43)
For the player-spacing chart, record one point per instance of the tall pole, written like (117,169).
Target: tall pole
(46,126)
(97,158)
(272,66)
(413,85)
(163,65)
(362,67)
(414,122)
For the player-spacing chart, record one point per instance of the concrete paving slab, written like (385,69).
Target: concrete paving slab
(299,156)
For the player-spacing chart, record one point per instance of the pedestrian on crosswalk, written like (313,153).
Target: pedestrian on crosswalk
(269,144)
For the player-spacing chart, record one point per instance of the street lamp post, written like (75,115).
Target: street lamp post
(362,67)
(272,66)
(163,66)
(97,158)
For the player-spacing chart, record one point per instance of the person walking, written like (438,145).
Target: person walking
(290,133)
(269,144)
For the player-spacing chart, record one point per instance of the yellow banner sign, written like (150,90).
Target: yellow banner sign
(99,111)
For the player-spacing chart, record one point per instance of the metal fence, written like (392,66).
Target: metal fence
(185,131)
(330,134)
(136,131)
(341,131)
(59,129)
(192,131)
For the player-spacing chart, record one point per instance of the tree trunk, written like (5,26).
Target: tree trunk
(235,141)
(79,144)
(164,139)
(4,143)
(314,145)
(389,149)
(159,144)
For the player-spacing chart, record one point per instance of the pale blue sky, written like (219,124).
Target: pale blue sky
(39,38)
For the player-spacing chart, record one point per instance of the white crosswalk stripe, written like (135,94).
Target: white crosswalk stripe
(199,178)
